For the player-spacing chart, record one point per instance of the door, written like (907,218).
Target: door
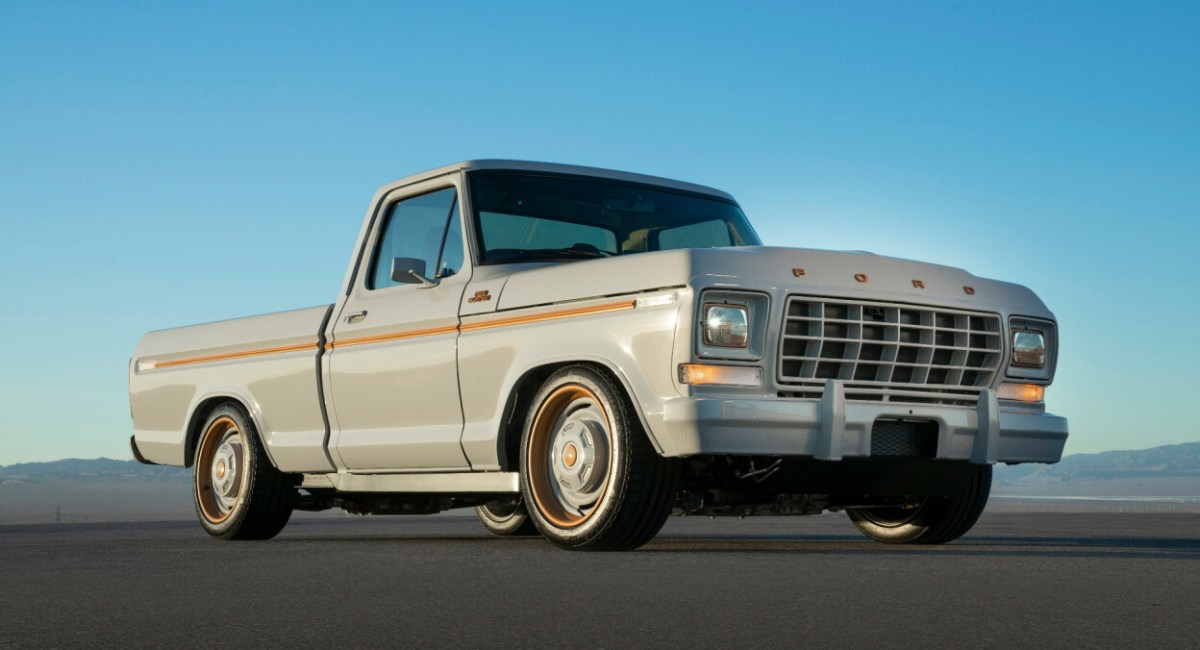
(393,371)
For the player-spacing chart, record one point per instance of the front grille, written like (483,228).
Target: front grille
(887,352)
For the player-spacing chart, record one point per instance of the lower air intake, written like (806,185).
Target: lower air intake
(904,439)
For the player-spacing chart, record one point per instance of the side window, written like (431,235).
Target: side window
(414,227)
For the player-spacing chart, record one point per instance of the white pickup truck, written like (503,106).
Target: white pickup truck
(578,352)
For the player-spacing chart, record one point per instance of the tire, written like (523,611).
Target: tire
(237,492)
(506,519)
(590,478)
(936,520)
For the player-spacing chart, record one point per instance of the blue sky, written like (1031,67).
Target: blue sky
(169,163)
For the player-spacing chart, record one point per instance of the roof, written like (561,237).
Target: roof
(554,168)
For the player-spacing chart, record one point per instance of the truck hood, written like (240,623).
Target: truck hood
(801,271)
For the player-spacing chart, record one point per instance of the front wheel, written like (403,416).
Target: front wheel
(238,493)
(932,520)
(590,478)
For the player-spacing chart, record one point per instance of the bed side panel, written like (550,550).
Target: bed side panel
(269,363)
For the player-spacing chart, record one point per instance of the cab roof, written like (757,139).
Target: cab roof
(555,168)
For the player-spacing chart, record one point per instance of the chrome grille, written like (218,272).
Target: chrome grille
(887,351)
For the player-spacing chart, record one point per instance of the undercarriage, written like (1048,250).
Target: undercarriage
(721,486)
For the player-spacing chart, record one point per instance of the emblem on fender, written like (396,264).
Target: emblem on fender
(480,296)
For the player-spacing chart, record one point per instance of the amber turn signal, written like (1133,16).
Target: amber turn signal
(1022,392)
(699,374)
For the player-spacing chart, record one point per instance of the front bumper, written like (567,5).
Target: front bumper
(832,428)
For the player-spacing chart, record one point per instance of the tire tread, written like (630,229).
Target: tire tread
(947,518)
(269,493)
(643,506)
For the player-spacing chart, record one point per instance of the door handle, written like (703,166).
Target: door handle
(356,318)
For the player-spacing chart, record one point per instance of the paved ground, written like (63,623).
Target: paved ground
(1032,580)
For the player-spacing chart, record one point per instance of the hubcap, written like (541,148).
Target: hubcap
(569,456)
(579,462)
(225,472)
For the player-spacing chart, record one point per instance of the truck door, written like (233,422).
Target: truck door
(392,362)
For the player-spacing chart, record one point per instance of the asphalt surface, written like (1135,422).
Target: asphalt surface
(1019,580)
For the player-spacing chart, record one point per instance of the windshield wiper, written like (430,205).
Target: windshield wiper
(572,253)
(587,250)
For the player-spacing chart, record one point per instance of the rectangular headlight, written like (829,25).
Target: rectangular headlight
(726,326)
(1028,349)
(1033,348)
(730,324)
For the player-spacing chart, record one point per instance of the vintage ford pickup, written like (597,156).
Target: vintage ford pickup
(578,352)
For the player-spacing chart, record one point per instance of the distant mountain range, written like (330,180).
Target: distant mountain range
(1174,461)
(100,470)
(1168,471)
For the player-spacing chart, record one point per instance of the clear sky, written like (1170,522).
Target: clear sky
(168,163)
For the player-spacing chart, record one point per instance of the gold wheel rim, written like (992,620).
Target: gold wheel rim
(221,430)
(539,456)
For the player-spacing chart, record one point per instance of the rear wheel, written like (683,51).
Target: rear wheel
(932,520)
(237,492)
(590,478)
(506,518)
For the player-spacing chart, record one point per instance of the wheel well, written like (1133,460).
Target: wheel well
(521,398)
(203,409)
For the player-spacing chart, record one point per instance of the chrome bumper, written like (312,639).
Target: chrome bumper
(832,428)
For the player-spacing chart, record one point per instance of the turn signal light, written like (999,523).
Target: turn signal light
(1022,392)
(699,374)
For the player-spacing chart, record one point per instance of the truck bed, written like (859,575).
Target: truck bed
(270,363)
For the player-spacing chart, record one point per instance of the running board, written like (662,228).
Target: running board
(448,483)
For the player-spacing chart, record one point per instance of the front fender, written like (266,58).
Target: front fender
(636,345)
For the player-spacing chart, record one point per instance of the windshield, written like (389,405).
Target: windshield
(526,217)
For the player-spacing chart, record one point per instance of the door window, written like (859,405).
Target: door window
(417,228)
(452,250)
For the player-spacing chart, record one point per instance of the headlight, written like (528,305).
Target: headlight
(1028,349)
(731,325)
(1033,348)
(726,326)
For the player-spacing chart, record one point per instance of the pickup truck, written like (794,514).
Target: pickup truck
(577,353)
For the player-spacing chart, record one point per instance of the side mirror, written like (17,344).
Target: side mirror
(410,270)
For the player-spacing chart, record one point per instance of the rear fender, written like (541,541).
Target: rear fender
(204,406)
